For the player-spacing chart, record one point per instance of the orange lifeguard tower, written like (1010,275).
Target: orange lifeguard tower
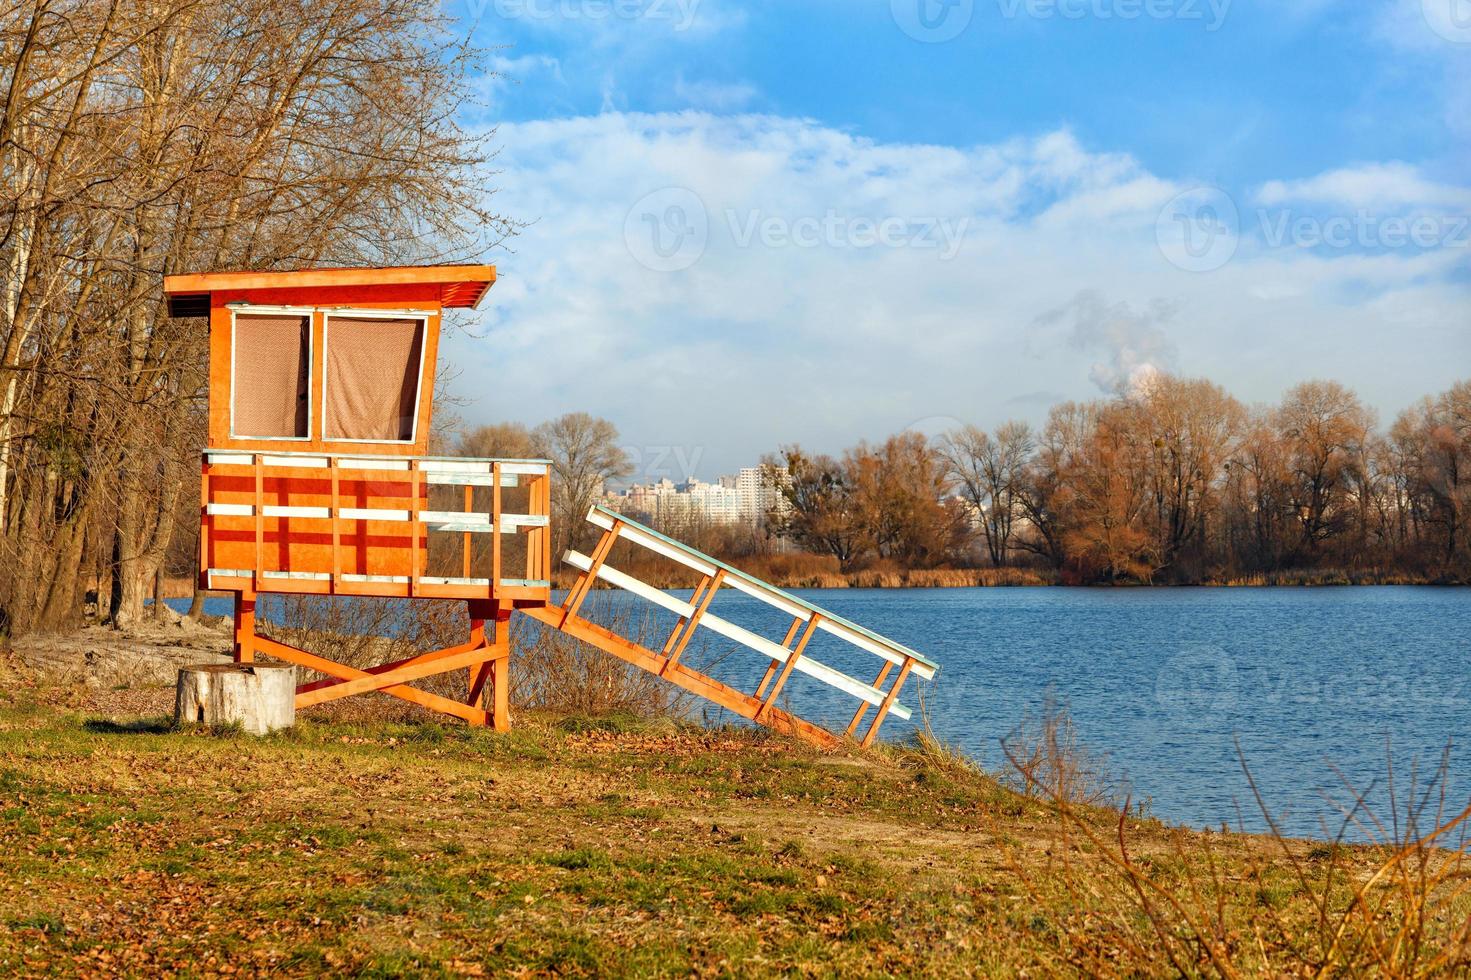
(316,480)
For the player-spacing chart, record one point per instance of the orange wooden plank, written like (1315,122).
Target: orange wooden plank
(246,642)
(440,275)
(584,584)
(883,711)
(423,698)
(259,517)
(336,522)
(418,658)
(771,668)
(863,705)
(786,671)
(696,597)
(694,621)
(465,538)
(411,672)
(204,521)
(495,523)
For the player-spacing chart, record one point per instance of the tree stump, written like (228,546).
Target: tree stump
(257,697)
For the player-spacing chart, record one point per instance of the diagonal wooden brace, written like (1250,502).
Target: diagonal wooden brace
(786,671)
(420,668)
(680,638)
(579,591)
(889,699)
(336,679)
(311,661)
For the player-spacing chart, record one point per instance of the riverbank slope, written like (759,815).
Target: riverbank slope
(590,847)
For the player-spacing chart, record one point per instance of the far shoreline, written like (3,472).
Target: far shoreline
(183,588)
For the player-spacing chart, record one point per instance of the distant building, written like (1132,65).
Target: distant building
(740,499)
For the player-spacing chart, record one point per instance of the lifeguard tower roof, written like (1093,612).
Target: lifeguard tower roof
(452,286)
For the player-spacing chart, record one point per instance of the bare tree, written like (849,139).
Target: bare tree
(989,474)
(1325,429)
(137,140)
(501,440)
(585,454)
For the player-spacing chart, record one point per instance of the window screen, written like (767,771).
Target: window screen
(372,377)
(272,371)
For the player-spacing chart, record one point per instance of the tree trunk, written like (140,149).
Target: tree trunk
(158,590)
(258,698)
(196,604)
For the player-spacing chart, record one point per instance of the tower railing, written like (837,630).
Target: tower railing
(337,524)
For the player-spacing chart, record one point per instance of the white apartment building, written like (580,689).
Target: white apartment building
(741,498)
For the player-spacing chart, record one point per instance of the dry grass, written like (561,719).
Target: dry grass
(1326,577)
(1049,761)
(555,673)
(1396,907)
(801,571)
(655,850)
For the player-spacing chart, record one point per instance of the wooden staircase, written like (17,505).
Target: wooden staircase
(784,657)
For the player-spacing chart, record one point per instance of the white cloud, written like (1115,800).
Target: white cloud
(1374,185)
(755,345)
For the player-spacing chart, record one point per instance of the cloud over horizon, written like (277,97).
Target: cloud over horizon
(733,283)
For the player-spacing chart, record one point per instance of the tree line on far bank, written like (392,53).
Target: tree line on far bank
(1175,481)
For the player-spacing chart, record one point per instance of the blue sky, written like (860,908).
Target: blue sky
(754,224)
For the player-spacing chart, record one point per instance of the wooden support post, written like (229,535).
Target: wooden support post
(546,532)
(244,627)
(336,521)
(205,522)
(475,682)
(694,621)
(495,528)
(260,519)
(771,667)
(863,705)
(414,513)
(465,538)
(889,699)
(500,673)
(786,671)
